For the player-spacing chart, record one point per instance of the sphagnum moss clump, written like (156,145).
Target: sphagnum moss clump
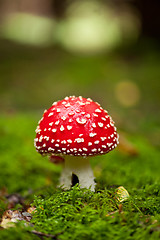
(75,209)
(82,214)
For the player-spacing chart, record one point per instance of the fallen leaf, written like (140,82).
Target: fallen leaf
(12,216)
(121,194)
(127,146)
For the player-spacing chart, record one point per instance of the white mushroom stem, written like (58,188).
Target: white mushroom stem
(80,167)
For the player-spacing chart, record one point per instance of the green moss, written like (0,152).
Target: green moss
(16,233)
(80,213)
(72,211)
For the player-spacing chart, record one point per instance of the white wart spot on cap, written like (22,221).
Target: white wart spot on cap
(98,110)
(41,138)
(67,105)
(81,103)
(54,130)
(103,138)
(109,144)
(112,123)
(94,150)
(38,130)
(54,103)
(88,115)
(36,140)
(69,127)
(92,134)
(100,124)
(85,149)
(103,118)
(47,138)
(81,121)
(71,113)
(63,118)
(50,114)
(61,128)
(79,140)
(57,122)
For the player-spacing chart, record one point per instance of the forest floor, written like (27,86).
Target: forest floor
(28,179)
(30,80)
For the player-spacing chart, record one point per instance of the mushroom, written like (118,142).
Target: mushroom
(75,129)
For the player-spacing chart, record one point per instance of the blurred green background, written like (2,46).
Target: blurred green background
(106,50)
(98,49)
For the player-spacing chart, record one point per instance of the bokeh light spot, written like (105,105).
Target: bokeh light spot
(28,29)
(127,93)
(93,27)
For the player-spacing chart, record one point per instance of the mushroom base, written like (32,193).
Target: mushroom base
(79,167)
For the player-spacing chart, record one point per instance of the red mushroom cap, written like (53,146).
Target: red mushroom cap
(76,126)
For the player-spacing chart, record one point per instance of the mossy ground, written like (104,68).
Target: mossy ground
(80,213)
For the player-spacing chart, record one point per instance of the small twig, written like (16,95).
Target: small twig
(41,235)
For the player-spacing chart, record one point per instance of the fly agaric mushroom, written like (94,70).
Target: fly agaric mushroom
(76,129)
